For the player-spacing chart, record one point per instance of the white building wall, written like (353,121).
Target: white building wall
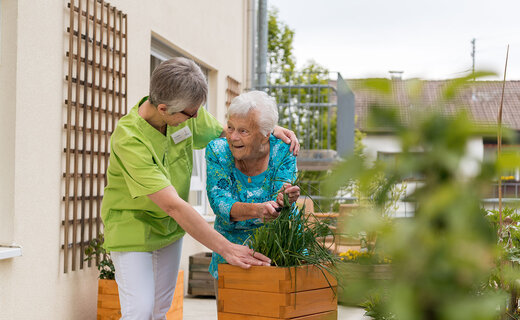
(380,143)
(32,70)
(469,166)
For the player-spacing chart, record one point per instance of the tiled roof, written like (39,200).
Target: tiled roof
(480,98)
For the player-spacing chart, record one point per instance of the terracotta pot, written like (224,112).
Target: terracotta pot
(108,307)
(261,293)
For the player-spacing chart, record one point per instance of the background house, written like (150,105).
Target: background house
(48,209)
(481,100)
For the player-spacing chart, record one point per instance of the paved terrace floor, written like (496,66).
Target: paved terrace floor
(206,309)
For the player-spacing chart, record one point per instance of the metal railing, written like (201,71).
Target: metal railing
(312,104)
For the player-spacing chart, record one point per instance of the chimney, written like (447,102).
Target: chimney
(396,75)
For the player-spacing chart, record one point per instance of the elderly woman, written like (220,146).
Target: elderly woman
(248,171)
(144,208)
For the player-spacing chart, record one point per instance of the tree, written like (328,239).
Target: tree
(300,99)
(281,62)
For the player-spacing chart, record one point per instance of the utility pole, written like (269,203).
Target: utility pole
(473,57)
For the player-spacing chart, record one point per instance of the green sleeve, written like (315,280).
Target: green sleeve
(205,128)
(140,172)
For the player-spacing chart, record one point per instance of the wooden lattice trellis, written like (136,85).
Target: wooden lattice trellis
(233,90)
(96,98)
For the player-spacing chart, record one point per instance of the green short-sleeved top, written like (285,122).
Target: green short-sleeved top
(144,161)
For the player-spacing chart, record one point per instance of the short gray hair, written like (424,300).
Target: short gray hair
(178,83)
(259,101)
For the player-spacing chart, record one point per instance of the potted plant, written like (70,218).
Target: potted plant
(108,296)
(359,270)
(299,282)
(108,306)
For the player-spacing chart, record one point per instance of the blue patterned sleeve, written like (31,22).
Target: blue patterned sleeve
(218,184)
(286,170)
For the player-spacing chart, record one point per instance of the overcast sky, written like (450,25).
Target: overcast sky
(426,39)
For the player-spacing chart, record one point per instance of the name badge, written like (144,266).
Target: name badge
(181,134)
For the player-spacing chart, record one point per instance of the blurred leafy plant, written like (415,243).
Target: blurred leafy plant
(444,254)
(374,308)
(96,251)
(505,273)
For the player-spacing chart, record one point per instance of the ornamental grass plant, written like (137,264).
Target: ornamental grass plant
(294,239)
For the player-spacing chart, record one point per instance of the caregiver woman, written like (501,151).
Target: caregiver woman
(144,208)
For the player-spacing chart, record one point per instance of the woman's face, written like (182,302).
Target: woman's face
(244,137)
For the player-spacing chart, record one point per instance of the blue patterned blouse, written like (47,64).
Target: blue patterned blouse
(226,185)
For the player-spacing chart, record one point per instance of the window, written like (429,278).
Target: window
(197,198)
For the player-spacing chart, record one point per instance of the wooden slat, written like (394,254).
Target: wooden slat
(126,63)
(92,136)
(89,152)
(120,55)
(87,39)
(93,17)
(93,108)
(87,175)
(276,305)
(107,81)
(71,245)
(88,130)
(113,67)
(107,287)
(274,279)
(70,221)
(81,198)
(175,312)
(233,90)
(90,85)
(76,141)
(67,147)
(94,65)
(105,152)
(84,143)
(201,275)
(329,315)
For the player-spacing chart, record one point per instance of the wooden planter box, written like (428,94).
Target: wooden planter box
(108,307)
(262,293)
(200,281)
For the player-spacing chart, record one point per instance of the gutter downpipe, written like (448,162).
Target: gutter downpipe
(262,45)
(251,17)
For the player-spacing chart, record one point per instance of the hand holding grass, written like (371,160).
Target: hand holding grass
(268,211)
(292,192)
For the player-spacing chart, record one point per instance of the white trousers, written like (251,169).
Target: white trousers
(146,281)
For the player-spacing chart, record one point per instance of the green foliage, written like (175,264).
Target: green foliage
(298,108)
(96,251)
(442,257)
(374,308)
(294,239)
(505,273)
(280,46)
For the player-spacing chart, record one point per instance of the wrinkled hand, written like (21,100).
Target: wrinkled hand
(287,136)
(267,210)
(293,192)
(244,257)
